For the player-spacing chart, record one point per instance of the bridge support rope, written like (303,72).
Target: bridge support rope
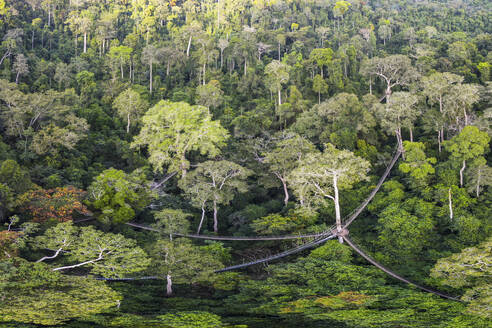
(298,249)
(393,274)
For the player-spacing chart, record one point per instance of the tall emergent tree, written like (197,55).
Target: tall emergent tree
(320,176)
(286,156)
(470,144)
(277,74)
(171,130)
(130,106)
(395,70)
(220,179)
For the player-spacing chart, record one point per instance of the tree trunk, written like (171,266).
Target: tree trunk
(128,124)
(85,42)
(221,58)
(32,40)
(121,69)
(399,139)
(388,93)
(204,72)
(279,97)
(338,216)
(150,86)
(201,220)
(466,116)
(286,192)
(188,48)
(279,51)
(319,97)
(169,287)
(450,203)
(216,224)
(461,173)
(411,135)
(439,140)
(370,85)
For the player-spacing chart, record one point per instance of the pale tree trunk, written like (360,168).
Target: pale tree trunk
(188,48)
(370,85)
(79,264)
(279,51)
(461,173)
(388,93)
(150,86)
(32,40)
(450,204)
(17,78)
(85,42)
(466,116)
(411,135)
(201,220)
(57,252)
(128,124)
(319,97)
(279,97)
(169,286)
(221,58)
(121,69)
(284,185)
(336,199)
(439,140)
(204,72)
(216,223)
(399,139)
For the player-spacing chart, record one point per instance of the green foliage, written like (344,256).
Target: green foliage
(191,319)
(172,130)
(106,254)
(416,163)
(471,269)
(171,221)
(32,293)
(119,196)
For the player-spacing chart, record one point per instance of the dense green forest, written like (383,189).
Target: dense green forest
(126,124)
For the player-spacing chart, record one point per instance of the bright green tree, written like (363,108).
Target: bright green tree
(416,163)
(33,293)
(107,254)
(471,143)
(171,130)
(119,196)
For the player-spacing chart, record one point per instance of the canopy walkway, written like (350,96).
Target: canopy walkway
(320,238)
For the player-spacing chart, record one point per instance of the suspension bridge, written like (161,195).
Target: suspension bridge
(317,239)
